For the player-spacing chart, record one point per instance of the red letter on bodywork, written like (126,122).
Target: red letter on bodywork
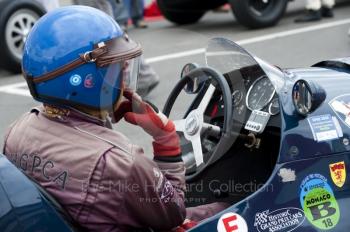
(227,221)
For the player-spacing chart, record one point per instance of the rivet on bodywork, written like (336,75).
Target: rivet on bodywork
(293,151)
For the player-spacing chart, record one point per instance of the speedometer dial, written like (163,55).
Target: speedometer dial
(260,94)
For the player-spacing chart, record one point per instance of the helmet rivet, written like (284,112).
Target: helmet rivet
(87,57)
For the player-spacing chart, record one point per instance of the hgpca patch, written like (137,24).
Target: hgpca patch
(338,173)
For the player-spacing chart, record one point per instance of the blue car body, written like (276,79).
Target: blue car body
(302,156)
(23,207)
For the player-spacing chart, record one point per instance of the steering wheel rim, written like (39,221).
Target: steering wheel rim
(225,141)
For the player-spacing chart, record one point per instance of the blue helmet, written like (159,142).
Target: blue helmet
(79,56)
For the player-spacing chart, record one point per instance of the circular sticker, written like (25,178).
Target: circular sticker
(321,208)
(89,81)
(312,184)
(75,80)
(232,222)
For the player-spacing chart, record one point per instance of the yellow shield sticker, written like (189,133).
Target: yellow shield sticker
(338,173)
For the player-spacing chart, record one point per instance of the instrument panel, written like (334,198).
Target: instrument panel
(260,93)
(253,90)
(253,97)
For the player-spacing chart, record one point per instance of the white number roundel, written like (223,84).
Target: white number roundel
(232,222)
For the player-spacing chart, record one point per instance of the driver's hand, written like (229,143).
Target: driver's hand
(187,225)
(144,114)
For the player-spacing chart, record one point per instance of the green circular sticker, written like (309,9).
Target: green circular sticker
(321,208)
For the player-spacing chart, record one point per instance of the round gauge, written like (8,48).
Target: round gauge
(237,97)
(260,94)
(274,107)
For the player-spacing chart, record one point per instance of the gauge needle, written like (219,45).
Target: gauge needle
(257,104)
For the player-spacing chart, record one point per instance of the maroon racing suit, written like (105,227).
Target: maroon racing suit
(103,181)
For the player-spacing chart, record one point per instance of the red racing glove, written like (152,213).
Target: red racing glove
(187,225)
(166,144)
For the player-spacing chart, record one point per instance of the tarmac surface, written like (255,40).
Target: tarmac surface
(168,47)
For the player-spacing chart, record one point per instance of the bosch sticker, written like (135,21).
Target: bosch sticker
(232,222)
(325,127)
(338,173)
(341,106)
(318,202)
(89,81)
(75,80)
(285,219)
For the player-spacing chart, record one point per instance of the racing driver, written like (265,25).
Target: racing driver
(79,64)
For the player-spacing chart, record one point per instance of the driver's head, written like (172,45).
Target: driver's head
(78,56)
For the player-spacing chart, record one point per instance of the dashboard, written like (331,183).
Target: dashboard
(252,88)
(254,98)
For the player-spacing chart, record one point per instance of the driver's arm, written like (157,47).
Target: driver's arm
(158,198)
(158,201)
(129,190)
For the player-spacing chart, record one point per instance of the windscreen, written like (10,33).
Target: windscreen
(226,56)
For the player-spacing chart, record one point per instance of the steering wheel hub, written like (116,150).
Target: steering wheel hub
(192,124)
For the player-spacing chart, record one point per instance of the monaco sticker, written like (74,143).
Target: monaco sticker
(318,202)
(285,219)
(338,173)
(232,222)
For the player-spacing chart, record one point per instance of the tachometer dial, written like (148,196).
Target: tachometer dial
(260,94)
(237,97)
(274,107)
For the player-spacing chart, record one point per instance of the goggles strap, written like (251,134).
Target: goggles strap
(104,53)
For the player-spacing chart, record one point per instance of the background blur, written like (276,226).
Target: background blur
(168,47)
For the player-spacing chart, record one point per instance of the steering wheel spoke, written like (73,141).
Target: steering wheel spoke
(206,99)
(197,150)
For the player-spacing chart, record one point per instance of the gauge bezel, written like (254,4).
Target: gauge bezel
(279,107)
(250,89)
